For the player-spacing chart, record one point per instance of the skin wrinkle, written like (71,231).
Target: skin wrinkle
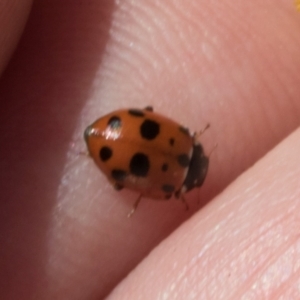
(121,34)
(126,61)
(285,289)
(265,109)
(163,43)
(146,60)
(269,262)
(291,210)
(139,23)
(225,262)
(271,65)
(254,274)
(116,33)
(210,38)
(270,269)
(295,287)
(165,39)
(181,21)
(226,25)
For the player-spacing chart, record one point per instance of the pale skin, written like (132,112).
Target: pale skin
(65,232)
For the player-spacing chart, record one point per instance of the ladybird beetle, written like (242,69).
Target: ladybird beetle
(147,152)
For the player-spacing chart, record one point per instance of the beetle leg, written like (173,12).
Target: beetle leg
(182,198)
(212,150)
(135,205)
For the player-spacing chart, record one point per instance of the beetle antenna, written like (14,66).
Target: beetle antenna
(203,130)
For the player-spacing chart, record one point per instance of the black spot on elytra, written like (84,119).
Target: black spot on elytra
(171,141)
(139,165)
(184,130)
(136,112)
(149,129)
(183,160)
(164,167)
(105,153)
(118,175)
(114,122)
(168,188)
